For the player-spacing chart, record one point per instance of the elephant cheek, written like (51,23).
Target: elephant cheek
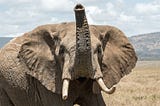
(97,70)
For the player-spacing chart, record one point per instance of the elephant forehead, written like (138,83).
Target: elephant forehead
(69,40)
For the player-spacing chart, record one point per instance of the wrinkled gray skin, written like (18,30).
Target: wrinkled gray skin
(34,65)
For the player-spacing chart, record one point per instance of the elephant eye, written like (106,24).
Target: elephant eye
(99,49)
(99,53)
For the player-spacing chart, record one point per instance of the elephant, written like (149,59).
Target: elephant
(64,64)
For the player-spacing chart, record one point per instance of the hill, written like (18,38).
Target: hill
(4,40)
(147,46)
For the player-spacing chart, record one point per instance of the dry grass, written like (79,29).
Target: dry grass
(139,88)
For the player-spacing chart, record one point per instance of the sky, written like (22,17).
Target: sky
(131,16)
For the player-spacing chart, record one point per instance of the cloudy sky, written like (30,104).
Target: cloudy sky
(131,16)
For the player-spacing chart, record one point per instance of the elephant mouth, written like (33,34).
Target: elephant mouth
(65,86)
(81,79)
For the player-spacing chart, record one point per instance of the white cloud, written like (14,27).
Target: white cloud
(2,1)
(89,2)
(132,17)
(53,19)
(90,19)
(15,34)
(120,1)
(127,18)
(148,8)
(93,10)
(24,1)
(57,5)
(9,28)
(111,9)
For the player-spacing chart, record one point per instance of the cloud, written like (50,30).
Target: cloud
(111,9)
(58,5)
(149,15)
(148,8)
(92,12)
(89,2)
(9,28)
(24,15)
(127,18)
(15,34)
(132,17)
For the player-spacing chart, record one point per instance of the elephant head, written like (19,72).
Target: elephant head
(60,53)
(100,53)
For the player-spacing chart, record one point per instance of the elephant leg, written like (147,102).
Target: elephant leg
(96,100)
(91,100)
(56,100)
(49,98)
(4,98)
(81,102)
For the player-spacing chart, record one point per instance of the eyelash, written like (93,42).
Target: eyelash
(61,50)
(99,49)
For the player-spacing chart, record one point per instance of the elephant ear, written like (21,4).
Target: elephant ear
(38,56)
(119,57)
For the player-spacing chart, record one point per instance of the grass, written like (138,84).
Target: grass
(140,88)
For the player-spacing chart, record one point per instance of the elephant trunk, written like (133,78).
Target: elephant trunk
(83,42)
(83,61)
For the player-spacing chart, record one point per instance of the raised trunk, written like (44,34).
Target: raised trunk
(83,61)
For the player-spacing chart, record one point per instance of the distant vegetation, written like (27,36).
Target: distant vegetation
(147,46)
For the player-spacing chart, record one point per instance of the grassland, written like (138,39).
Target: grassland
(140,88)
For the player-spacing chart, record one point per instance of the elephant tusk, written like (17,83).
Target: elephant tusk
(65,89)
(104,88)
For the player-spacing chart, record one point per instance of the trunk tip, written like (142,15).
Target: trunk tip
(78,7)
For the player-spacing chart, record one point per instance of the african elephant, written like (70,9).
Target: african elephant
(64,64)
